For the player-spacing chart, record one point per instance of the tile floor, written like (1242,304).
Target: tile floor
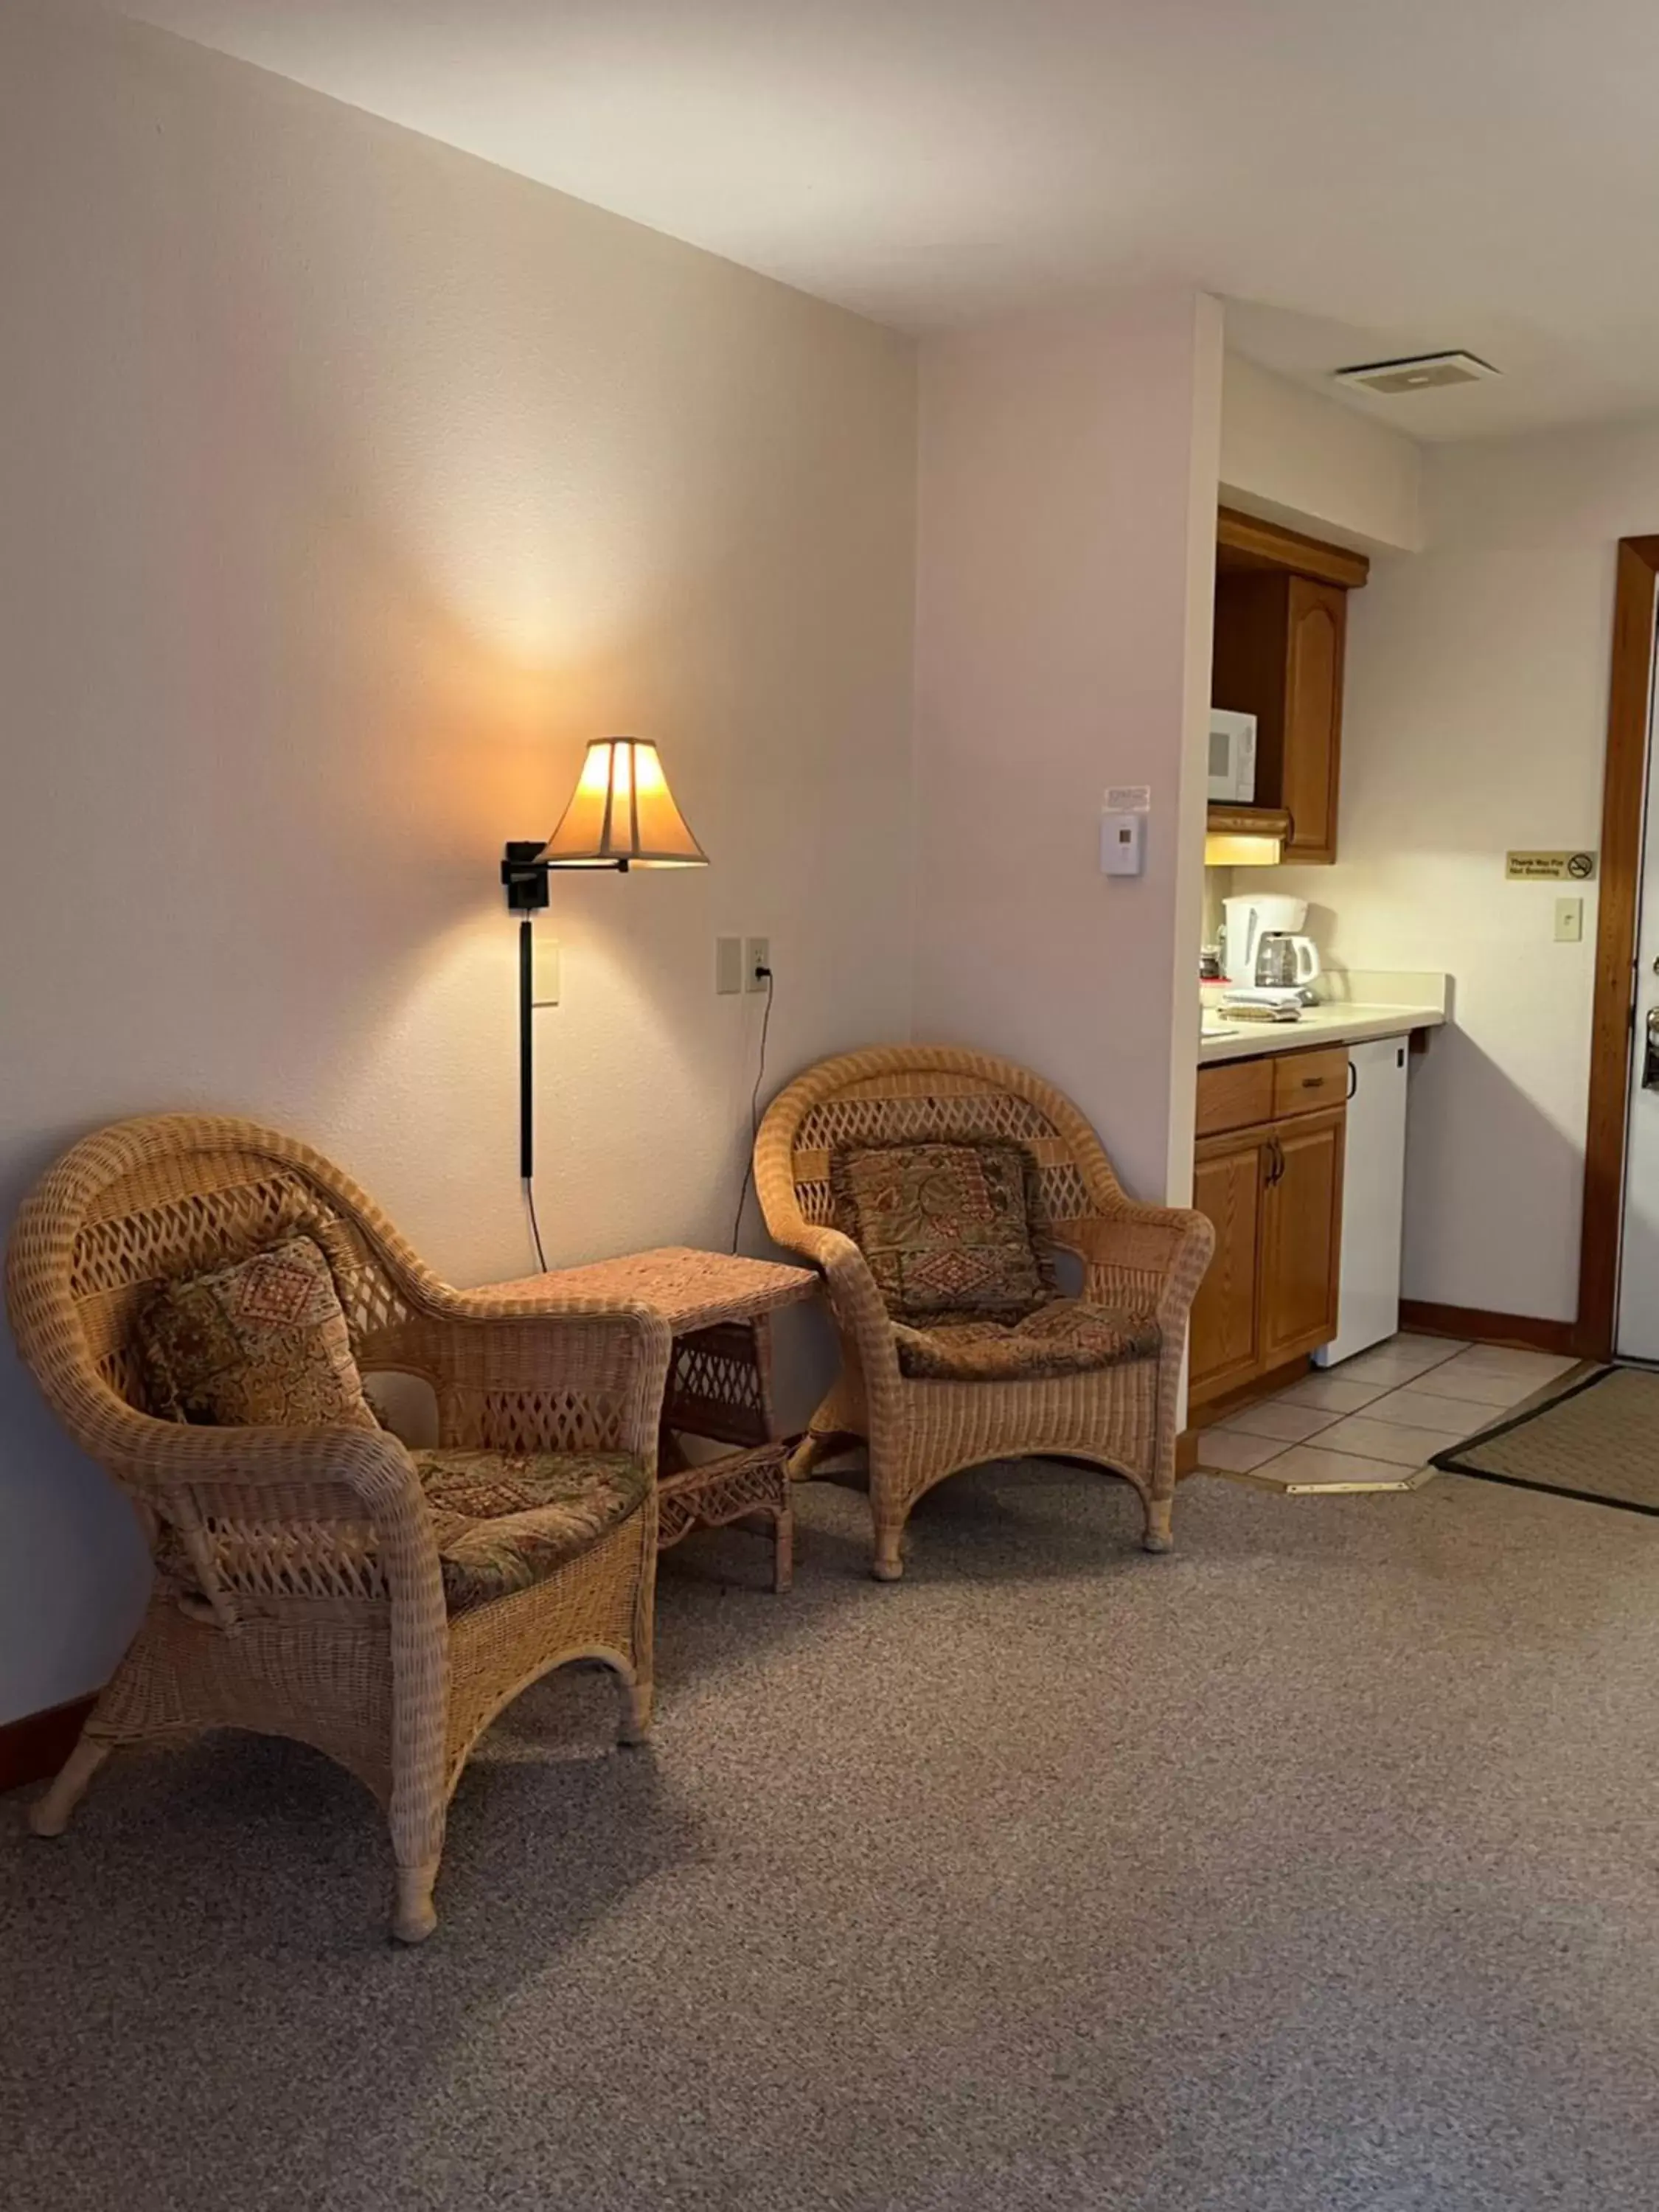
(1375,1422)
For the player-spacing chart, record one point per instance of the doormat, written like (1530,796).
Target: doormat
(1598,1441)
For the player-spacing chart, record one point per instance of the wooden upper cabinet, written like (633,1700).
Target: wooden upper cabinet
(1316,626)
(1245,541)
(1280,637)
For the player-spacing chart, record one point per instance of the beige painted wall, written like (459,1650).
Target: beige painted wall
(1476,722)
(1067,538)
(351,485)
(1308,460)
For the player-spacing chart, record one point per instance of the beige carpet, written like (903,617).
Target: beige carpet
(1599,1441)
(1314,1869)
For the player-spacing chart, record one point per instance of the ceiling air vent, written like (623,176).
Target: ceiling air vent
(1428,371)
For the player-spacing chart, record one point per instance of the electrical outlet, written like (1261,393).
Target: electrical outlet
(543,969)
(1569,921)
(728,966)
(757,954)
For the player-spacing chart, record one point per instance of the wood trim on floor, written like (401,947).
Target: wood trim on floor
(33,1749)
(1186,1454)
(1520,1332)
(1629,695)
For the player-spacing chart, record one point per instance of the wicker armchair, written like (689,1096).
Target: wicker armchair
(299,1590)
(1144,1262)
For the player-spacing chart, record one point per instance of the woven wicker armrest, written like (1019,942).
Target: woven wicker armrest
(329,1498)
(365,1468)
(612,1355)
(1150,1258)
(853,1293)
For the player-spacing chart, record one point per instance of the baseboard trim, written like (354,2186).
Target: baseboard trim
(1520,1332)
(1186,1454)
(1211,1413)
(33,1749)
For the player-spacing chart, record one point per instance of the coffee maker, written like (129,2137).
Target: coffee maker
(1262,947)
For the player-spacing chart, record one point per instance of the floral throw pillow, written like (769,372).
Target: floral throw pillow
(263,1342)
(946,1229)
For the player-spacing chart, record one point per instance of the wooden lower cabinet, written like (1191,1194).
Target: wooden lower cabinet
(1229,1187)
(1274,1193)
(1302,1237)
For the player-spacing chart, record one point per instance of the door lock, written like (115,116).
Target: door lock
(1650,1054)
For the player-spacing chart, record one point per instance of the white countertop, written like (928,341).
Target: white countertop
(1345,1022)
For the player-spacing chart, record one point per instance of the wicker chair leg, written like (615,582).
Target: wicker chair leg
(1157,1536)
(887,1565)
(418,1815)
(636,1699)
(783,1553)
(50,1814)
(817,1444)
(415,1916)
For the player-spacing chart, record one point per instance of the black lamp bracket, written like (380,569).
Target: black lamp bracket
(524,874)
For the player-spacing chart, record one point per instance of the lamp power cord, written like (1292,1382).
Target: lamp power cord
(754,1129)
(754,1111)
(535,1225)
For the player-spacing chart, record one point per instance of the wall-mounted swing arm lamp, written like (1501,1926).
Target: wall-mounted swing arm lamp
(622,814)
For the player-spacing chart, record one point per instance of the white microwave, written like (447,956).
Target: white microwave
(1232,757)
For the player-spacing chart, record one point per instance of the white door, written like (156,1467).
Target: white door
(1638,1331)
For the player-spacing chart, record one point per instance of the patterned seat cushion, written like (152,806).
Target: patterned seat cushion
(1064,1336)
(506,1520)
(946,1229)
(263,1342)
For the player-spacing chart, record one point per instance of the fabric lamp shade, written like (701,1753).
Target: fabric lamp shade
(623,814)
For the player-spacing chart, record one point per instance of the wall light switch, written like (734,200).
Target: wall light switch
(543,969)
(757,954)
(1569,921)
(728,966)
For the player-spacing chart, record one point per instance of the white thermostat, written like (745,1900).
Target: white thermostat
(1123,833)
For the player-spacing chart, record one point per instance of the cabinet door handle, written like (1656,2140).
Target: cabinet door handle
(1353,1080)
(1275,1160)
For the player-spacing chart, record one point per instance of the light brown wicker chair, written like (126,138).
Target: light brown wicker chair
(312,1603)
(1147,1261)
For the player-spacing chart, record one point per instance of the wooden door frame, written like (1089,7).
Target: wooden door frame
(1629,699)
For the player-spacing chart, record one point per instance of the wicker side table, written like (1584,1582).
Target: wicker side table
(720,1381)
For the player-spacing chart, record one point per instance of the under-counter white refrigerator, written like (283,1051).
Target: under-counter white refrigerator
(1373,1199)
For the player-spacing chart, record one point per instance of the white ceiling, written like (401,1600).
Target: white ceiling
(1358,180)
